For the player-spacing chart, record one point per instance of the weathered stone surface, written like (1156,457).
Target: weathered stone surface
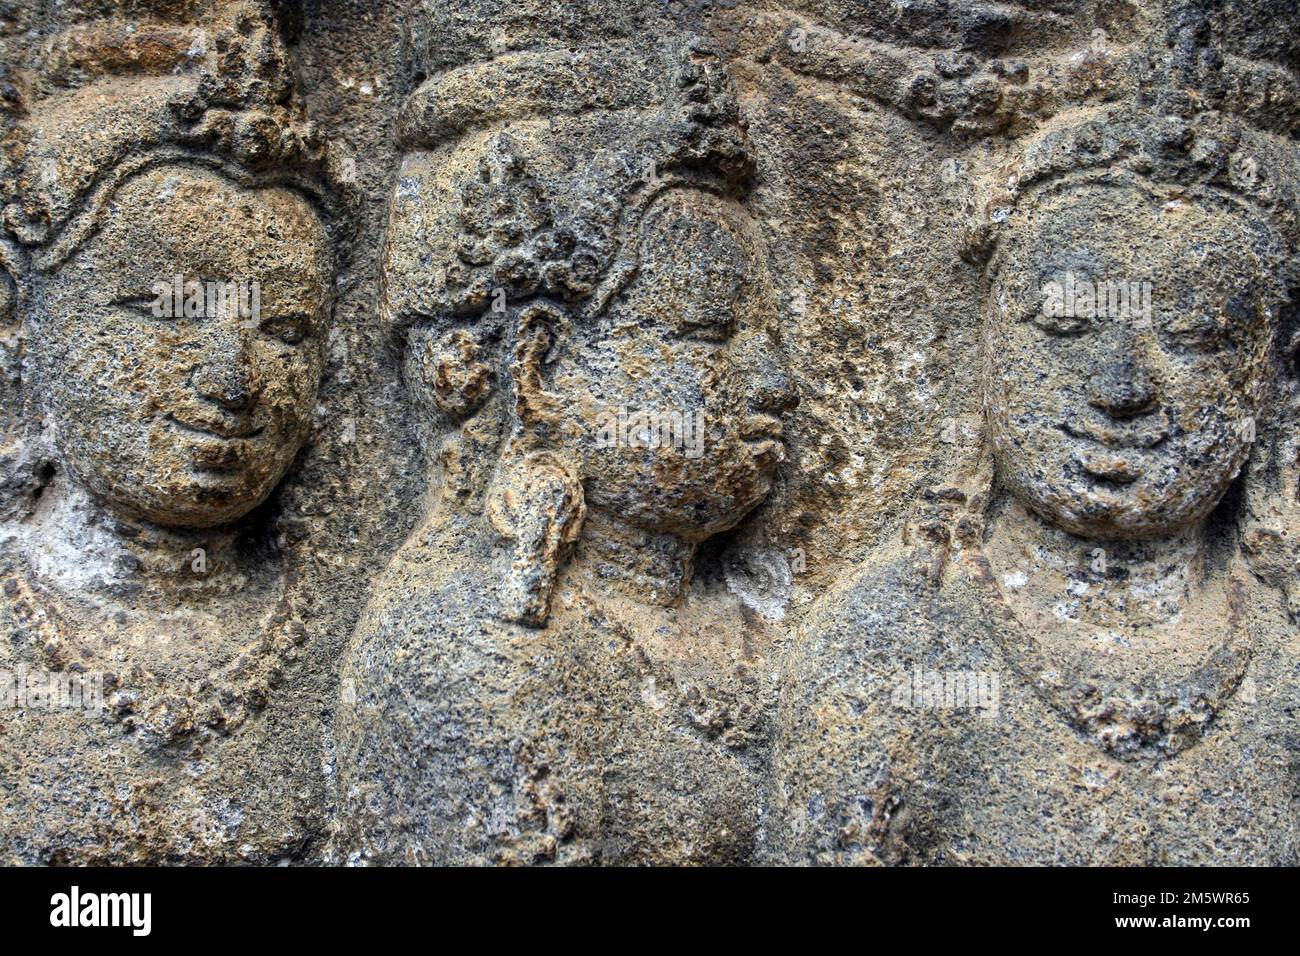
(649,432)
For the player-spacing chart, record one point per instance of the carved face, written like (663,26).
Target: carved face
(666,403)
(684,359)
(1123,416)
(186,420)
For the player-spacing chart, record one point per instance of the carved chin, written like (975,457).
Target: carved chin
(1093,507)
(202,499)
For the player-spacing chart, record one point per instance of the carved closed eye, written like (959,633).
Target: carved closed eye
(1062,325)
(1017,298)
(717,330)
(289,329)
(707,304)
(1055,309)
(150,306)
(1198,329)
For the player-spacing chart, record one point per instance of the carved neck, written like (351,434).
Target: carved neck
(74,544)
(1102,583)
(649,568)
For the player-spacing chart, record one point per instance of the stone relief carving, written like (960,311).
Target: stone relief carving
(1078,570)
(805,432)
(145,435)
(558,552)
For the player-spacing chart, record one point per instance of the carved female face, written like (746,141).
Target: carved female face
(671,399)
(1124,353)
(186,420)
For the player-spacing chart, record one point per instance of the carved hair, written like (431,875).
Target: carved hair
(512,234)
(227,105)
(1207,157)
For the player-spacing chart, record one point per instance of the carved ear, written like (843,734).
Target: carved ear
(975,245)
(13,283)
(24,467)
(540,326)
(8,298)
(539,505)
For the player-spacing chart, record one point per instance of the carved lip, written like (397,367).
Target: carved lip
(1115,469)
(210,428)
(1117,437)
(762,428)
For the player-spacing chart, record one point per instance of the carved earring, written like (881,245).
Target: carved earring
(452,370)
(539,505)
(536,499)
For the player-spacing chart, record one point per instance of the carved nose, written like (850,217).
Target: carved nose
(1122,389)
(773,391)
(229,386)
(770,389)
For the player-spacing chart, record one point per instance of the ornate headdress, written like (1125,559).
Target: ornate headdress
(545,221)
(1208,156)
(560,234)
(110,98)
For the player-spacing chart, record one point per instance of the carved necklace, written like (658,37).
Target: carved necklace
(1128,704)
(220,701)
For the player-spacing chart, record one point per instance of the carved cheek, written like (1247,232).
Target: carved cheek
(1240,372)
(1058,368)
(287,378)
(171,358)
(714,368)
(116,375)
(1012,352)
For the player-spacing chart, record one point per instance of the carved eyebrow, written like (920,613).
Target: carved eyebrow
(711,328)
(299,317)
(143,300)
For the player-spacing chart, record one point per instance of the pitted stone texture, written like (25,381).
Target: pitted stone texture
(394,573)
